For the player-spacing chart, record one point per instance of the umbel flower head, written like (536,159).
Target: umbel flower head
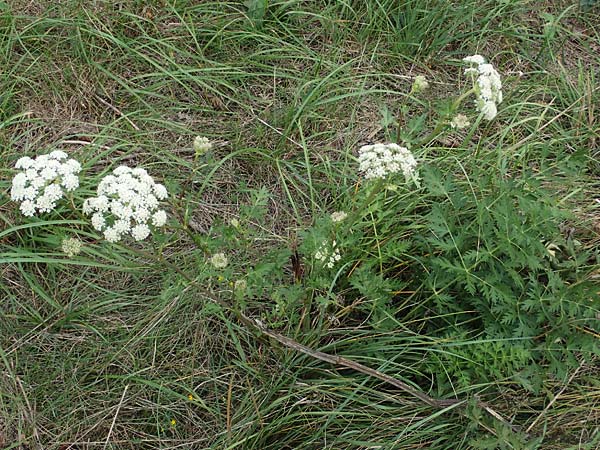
(219,260)
(487,85)
(420,84)
(127,204)
(381,160)
(71,246)
(460,121)
(327,254)
(42,181)
(202,145)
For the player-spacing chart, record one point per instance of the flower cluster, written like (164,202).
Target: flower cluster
(41,181)
(127,203)
(71,246)
(420,84)
(460,121)
(488,85)
(381,160)
(219,260)
(338,216)
(328,255)
(202,145)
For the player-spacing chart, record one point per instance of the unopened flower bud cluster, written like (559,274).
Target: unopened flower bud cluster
(381,160)
(127,204)
(43,180)
(328,255)
(202,145)
(488,85)
(459,122)
(219,260)
(71,246)
(420,84)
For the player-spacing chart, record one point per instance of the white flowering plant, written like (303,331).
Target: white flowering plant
(487,85)
(383,160)
(42,181)
(127,204)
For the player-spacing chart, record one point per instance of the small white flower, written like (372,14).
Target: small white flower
(202,145)
(24,163)
(126,204)
(71,246)
(98,221)
(27,208)
(122,226)
(338,216)
(487,86)
(141,215)
(159,218)
(45,204)
(48,173)
(420,84)
(475,59)
(240,286)
(121,170)
(381,160)
(17,193)
(70,182)
(219,260)
(31,174)
(460,121)
(58,154)
(41,181)
(30,193)
(87,206)
(489,110)
(20,180)
(139,172)
(112,235)
(160,191)
(140,232)
(53,192)
(327,254)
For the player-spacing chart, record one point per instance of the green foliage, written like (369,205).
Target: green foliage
(466,363)
(588,4)
(287,90)
(499,262)
(256,10)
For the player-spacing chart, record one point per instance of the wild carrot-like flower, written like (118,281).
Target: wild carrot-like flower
(487,85)
(381,160)
(127,204)
(202,145)
(71,246)
(219,260)
(327,254)
(420,84)
(338,216)
(41,181)
(460,121)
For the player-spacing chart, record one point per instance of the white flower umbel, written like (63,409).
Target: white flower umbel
(460,121)
(42,181)
(71,246)
(487,85)
(327,254)
(338,216)
(219,260)
(127,204)
(202,145)
(420,84)
(381,160)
